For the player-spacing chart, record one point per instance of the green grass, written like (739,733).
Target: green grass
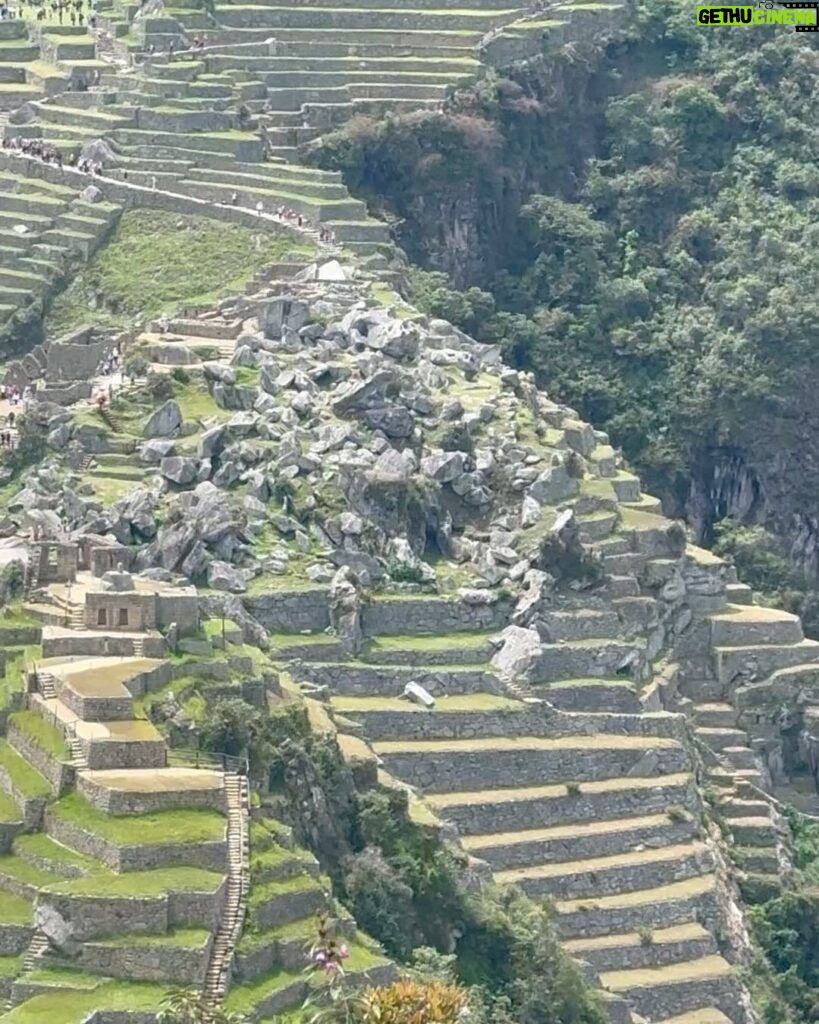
(14,909)
(260,894)
(27,781)
(441,642)
(12,679)
(177,826)
(152,266)
(9,966)
(72,1007)
(43,847)
(184,938)
(242,998)
(47,736)
(9,811)
(140,883)
(19,869)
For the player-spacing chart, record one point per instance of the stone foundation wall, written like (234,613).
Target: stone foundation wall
(152,679)
(98,646)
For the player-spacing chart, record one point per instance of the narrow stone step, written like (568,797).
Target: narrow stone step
(739,808)
(751,624)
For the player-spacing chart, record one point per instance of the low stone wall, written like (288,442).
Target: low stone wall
(212,856)
(60,775)
(398,616)
(173,965)
(67,394)
(122,803)
(293,611)
(576,661)
(289,906)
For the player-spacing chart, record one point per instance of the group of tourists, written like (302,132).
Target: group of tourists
(14,396)
(42,150)
(73,12)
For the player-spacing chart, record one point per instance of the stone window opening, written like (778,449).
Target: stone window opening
(123,617)
(101,617)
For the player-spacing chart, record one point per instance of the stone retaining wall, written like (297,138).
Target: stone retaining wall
(96,709)
(293,611)
(110,754)
(91,917)
(430,615)
(8,830)
(366,681)
(173,965)
(447,771)
(212,856)
(14,938)
(18,636)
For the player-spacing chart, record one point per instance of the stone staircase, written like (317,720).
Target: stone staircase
(36,949)
(217,976)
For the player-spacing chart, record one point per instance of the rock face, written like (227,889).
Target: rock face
(165,422)
(345,611)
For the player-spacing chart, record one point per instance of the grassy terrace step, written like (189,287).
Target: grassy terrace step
(706,967)
(48,737)
(677,933)
(660,907)
(481,810)
(41,850)
(463,648)
(707,1015)
(25,779)
(14,909)
(471,702)
(176,826)
(9,811)
(140,883)
(63,1006)
(620,872)
(447,765)
(560,843)
(182,938)
(23,877)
